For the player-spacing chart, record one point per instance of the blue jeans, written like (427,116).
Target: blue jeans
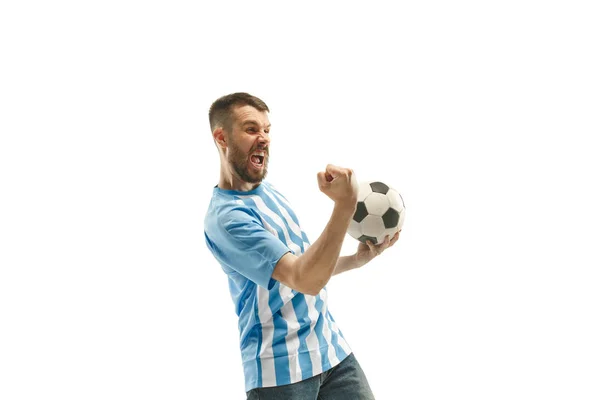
(345,381)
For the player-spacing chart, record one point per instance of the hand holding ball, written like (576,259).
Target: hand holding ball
(379,212)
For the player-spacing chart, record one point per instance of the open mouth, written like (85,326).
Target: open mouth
(257,160)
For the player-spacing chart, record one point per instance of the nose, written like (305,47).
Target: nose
(264,139)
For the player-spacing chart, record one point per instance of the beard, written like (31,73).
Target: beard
(239,161)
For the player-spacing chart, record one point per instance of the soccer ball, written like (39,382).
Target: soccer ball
(379,212)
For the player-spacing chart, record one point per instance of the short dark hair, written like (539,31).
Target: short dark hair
(221,110)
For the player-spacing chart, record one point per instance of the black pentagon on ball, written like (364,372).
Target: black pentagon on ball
(361,211)
(390,218)
(364,239)
(379,187)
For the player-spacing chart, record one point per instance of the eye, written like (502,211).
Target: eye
(252,130)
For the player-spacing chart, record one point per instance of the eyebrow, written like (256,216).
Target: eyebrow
(253,122)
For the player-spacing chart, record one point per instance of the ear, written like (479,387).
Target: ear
(220,137)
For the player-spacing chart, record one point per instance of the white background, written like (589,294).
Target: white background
(482,115)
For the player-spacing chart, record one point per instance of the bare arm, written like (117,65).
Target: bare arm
(364,254)
(310,272)
(346,263)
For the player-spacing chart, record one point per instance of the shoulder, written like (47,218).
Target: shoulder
(228,212)
(274,192)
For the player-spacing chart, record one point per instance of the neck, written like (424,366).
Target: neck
(228,180)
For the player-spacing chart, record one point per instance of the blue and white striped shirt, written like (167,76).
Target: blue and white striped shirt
(285,336)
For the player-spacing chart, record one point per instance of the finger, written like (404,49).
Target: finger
(322,179)
(395,238)
(385,244)
(333,170)
(386,241)
(376,249)
(371,246)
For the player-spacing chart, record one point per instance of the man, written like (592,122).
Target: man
(291,346)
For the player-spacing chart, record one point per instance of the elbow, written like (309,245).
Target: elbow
(311,292)
(313,288)
(307,288)
(290,271)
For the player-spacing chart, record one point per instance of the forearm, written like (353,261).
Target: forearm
(318,263)
(364,254)
(347,263)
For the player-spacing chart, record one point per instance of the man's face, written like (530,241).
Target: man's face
(248,151)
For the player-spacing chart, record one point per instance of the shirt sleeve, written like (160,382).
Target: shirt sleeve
(239,241)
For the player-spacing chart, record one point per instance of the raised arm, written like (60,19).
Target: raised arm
(310,272)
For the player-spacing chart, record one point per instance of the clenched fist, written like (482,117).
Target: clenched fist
(339,184)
